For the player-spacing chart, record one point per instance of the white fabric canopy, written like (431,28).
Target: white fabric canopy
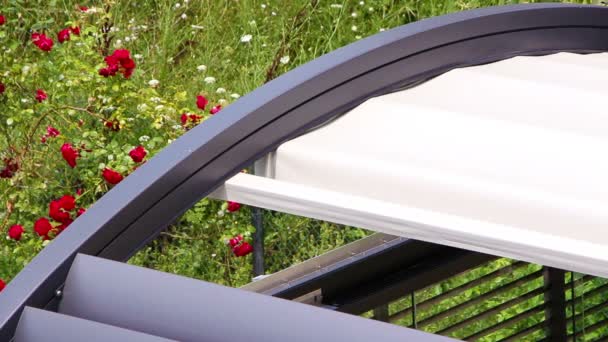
(508,158)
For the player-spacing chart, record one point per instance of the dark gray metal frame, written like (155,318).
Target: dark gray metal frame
(200,161)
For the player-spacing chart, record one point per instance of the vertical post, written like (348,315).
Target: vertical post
(381,313)
(414,320)
(258,242)
(555,301)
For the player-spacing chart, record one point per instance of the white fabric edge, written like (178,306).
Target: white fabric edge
(501,240)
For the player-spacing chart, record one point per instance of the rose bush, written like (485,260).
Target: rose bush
(77,117)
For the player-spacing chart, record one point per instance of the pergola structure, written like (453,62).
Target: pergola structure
(465,137)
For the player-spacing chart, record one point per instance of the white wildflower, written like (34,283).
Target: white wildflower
(177,127)
(197,27)
(209,80)
(127,39)
(335,5)
(201,67)
(354,14)
(142,107)
(246,38)
(263,6)
(222,101)
(361,3)
(25,69)
(138,56)
(144,138)
(354,28)
(153,83)
(155,99)
(235,95)
(118,43)
(159,107)
(184,16)
(382,29)
(284,60)
(220,90)
(252,23)
(177,5)
(274,13)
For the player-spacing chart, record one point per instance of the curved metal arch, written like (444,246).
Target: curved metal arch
(201,160)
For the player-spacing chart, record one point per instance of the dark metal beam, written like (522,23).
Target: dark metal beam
(359,296)
(459,289)
(555,310)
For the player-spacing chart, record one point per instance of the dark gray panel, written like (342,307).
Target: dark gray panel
(186,309)
(199,161)
(38,325)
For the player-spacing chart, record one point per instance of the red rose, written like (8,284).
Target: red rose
(201,102)
(75,30)
(43,227)
(111,176)
(63,35)
(184,119)
(43,42)
(83,8)
(41,95)
(121,61)
(2,88)
(80,211)
(215,109)
(233,206)
(52,131)
(70,154)
(138,154)
(242,249)
(121,54)
(2,285)
(57,212)
(2,20)
(15,232)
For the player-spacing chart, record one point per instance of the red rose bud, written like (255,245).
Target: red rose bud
(52,131)
(138,154)
(2,88)
(2,20)
(215,109)
(70,154)
(201,102)
(15,232)
(233,206)
(43,227)
(111,176)
(83,8)
(233,242)
(43,42)
(2,285)
(41,95)
(113,125)
(80,211)
(63,35)
(75,30)
(242,249)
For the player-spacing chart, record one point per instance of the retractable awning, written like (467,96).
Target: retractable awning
(506,158)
